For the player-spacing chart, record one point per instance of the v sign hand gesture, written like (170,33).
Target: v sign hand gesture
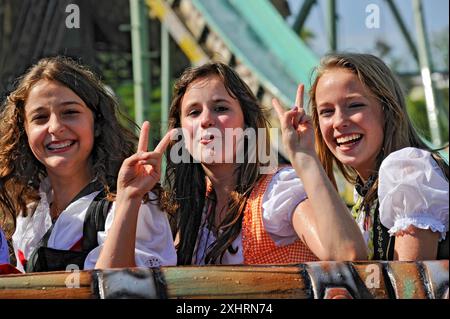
(140,172)
(296,126)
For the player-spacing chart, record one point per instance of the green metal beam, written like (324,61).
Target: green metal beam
(165,84)
(425,68)
(406,33)
(331,26)
(303,15)
(165,77)
(140,55)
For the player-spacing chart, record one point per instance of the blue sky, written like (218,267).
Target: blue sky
(353,35)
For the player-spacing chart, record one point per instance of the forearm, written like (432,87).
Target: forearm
(339,235)
(416,244)
(119,247)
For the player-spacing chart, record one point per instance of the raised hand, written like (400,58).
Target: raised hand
(140,172)
(296,126)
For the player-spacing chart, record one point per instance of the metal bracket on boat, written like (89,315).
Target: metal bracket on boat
(436,272)
(137,283)
(336,281)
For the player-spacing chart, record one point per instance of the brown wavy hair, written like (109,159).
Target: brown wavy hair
(185,183)
(399,131)
(20,172)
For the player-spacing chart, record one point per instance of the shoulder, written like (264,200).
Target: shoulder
(283,194)
(406,153)
(412,190)
(410,165)
(283,182)
(283,174)
(407,157)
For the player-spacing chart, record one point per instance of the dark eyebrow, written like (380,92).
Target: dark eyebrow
(37,109)
(40,108)
(191,105)
(215,100)
(70,103)
(221,100)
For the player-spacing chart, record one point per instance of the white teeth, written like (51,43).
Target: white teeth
(347,138)
(58,146)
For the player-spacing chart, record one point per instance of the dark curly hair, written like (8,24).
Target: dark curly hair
(20,172)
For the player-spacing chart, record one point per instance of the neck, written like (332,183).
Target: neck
(365,171)
(364,176)
(66,188)
(222,178)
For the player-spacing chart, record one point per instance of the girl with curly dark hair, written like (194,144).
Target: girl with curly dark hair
(60,153)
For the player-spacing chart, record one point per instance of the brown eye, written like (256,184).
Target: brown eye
(38,117)
(71,112)
(221,108)
(193,113)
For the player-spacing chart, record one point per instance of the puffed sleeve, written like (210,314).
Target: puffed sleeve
(284,193)
(413,191)
(154,243)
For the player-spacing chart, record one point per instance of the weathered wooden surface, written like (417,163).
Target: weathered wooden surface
(319,280)
(237,282)
(51,285)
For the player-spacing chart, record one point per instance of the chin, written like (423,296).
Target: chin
(57,165)
(352,162)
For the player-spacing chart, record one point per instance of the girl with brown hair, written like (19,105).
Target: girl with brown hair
(60,153)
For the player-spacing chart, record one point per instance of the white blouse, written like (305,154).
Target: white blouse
(284,193)
(68,230)
(413,191)
(154,243)
(4,252)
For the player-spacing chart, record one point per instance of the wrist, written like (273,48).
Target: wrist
(307,157)
(128,195)
(127,206)
(304,160)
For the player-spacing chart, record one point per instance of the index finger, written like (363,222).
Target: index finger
(278,108)
(143,137)
(164,143)
(299,96)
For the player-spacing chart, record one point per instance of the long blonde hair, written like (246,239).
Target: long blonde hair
(399,131)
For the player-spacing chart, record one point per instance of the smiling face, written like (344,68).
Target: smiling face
(60,128)
(351,120)
(207,110)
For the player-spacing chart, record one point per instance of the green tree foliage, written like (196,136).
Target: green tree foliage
(153,114)
(439,47)
(417,111)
